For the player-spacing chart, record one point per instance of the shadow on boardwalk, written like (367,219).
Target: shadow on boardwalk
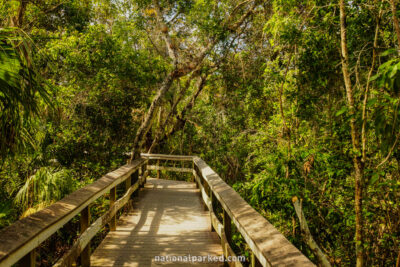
(168,220)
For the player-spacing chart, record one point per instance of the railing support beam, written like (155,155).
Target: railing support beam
(128,206)
(254,262)
(141,174)
(158,171)
(29,260)
(134,179)
(227,227)
(85,222)
(212,198)
(226,222)
(193,177)
(113,198)
(205,188)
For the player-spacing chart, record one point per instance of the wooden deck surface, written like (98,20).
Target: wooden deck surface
(167,220)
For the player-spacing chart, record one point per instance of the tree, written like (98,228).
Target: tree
(181,69)
(355,136)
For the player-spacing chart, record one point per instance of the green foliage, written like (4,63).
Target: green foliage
(20,86)
(7,213)
(388,75)
(273,118)
(45,186)
(238,125)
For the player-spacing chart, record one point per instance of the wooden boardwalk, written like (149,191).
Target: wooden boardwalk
(167,220)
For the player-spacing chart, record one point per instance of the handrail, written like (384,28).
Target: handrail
(167,157)
(269,247)
(267,244)
(21,238)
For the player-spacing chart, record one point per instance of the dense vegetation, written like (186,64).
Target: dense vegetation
(283,98)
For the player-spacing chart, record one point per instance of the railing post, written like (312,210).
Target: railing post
(145,172)
(205,188)
(226,222)
(196,180)
(29,260)
(158,171)
(127,184)
(212,198)
(134,179)
(193,178)
(254,262)
(141,174)
(128,205)
(227,227)
(85,222)
(113,197)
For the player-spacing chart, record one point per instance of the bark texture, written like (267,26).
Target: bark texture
(178,71)
(395,21)
(355,138)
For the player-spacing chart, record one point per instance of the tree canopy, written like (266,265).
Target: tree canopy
(284,99)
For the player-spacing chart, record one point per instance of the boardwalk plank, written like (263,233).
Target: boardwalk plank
(167,220)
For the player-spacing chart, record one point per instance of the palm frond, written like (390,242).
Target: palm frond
(47,185)
(21,86)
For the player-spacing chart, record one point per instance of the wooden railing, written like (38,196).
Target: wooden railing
(19,241)
(268,246)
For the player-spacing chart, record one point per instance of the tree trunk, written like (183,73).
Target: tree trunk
(178,71)
(180,120)
(18,20)
(161,127)
(357,158)
(150,113)
(395,21)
